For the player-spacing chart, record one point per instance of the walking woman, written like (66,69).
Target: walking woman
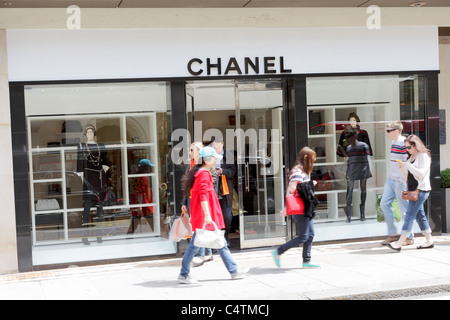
(416,170)
(194,154)
(300,173)
(205,209)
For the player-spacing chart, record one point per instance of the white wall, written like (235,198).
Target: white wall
(95,98)
(153,53)
(8,243)
(125,18)
(444,94)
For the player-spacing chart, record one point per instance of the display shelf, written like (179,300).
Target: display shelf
(325,128)
(65,162)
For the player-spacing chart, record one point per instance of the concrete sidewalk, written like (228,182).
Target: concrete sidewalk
(356,270)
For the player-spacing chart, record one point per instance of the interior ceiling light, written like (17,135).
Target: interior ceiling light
(417,4)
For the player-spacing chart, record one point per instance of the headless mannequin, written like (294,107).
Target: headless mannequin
(92,169)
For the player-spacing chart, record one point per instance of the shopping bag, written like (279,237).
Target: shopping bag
(181,228)
(225,190)
(213,239)
(395,207)
(294,204)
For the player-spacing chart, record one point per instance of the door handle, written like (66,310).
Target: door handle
(247,178)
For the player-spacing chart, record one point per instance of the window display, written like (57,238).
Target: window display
(347,119)
(98,176)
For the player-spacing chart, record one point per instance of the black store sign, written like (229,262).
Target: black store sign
(257,65)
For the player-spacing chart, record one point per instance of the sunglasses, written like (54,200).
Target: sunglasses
(390,130)
(409,147)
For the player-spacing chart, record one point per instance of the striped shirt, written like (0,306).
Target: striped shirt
(398,152)
(297,174)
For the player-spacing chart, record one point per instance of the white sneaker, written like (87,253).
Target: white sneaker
(186,280)
(239,274)
(208,258)
(197,262)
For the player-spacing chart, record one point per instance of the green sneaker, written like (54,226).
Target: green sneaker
(276,257)
(307,265)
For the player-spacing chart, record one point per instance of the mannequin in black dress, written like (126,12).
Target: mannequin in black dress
(92,167)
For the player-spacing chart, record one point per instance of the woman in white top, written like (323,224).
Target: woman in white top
(416,170)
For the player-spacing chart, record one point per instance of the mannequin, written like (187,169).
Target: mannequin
(141,194)
(363,136)
(92,168)
(357,153)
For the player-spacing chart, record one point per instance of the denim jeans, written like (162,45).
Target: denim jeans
(192,250)
(305,230)
(204,251)
(415,212)
(393,189)
(227,213)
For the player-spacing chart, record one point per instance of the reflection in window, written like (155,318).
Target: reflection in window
(366,104)
(89,174)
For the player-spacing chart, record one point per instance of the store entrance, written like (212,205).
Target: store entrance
(248,117)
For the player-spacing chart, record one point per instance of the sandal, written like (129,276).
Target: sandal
(426,247)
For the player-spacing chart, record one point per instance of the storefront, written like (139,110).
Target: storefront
(146,94)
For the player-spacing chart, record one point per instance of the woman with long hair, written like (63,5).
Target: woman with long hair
(205,209)
(300,173)
(416,170)
(194,150)
(204,254)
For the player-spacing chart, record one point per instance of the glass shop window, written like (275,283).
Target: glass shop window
(97,162)
(366,104)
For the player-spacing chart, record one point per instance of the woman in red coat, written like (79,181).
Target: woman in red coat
(205,209)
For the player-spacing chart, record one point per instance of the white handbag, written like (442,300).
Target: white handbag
(213,239)
(47,204)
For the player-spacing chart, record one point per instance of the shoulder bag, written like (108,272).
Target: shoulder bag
(294,204)
(213,239)
(410,195)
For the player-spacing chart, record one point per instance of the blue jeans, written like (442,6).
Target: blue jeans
(415,212)
(204,251)
(192,250)
(305,230)
(392,189)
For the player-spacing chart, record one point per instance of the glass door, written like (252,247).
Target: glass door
(248,116)
(259,145)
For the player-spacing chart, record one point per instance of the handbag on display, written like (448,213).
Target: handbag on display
(213,239)
(47,204)
(410,195)
(294,204)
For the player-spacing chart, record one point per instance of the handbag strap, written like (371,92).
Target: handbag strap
(213,223)
(183,212)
